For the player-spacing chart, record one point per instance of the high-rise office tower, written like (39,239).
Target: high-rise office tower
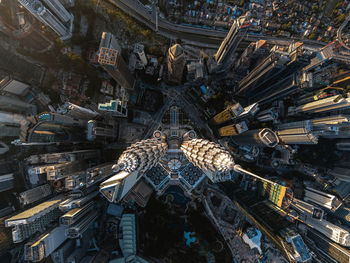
(116,108)
(334,126)
(58,9)
(35,194)
(63,157)
(89,177)
(10,124)
(280,89)
(62,170)
(47,243)
(333,103)
(227,114)
(341,173)
(34,219)
(58,19)
(326,249)
(100,131)
(281,63)
(323,199)
(176,63)
(68,3)
(128,240)
(131,165)
(235,113)
(79,112)
(226,53)
(77,229)
(75,180)
(13,104)
(17,25)
(53,128)
(6,182)
(261,137)
(271,66)
(139,50)
(78,200)
(110,58)
(3,146)
(296,133)
(251,56)
(327,55)
(314,218)
(276,193)
(233,129)
(97,173)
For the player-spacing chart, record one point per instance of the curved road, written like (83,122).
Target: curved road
(339,32)
(193,35)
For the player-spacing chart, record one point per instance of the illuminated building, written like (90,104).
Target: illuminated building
(229,113)
(176,63)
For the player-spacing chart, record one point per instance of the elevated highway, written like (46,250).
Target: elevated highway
(201,37)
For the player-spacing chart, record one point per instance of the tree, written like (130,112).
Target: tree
(340,18)
(156,51)
(147,33)
(313,36)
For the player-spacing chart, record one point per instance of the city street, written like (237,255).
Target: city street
(175,95)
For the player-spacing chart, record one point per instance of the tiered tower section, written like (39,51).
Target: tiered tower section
(207,155)
(141,156)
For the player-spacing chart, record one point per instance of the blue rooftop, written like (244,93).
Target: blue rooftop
(189,239)
(204,89)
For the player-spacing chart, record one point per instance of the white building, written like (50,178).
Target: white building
(139,50)
(328,201)
(13,86)
(313,217)
(127,242)
(116,107)
(53,15)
